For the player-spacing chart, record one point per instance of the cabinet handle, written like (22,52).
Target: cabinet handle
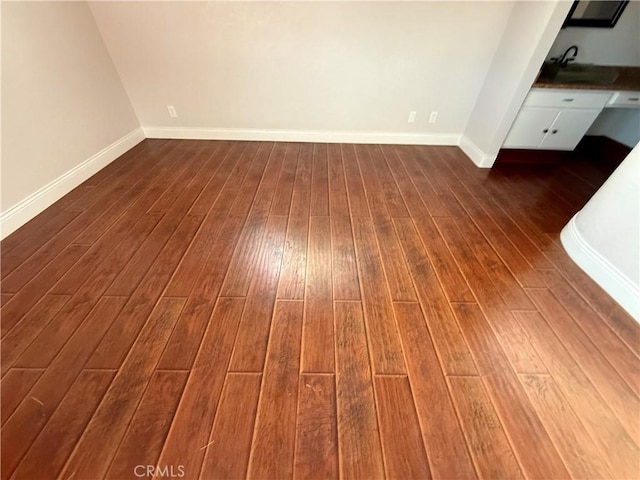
(634,99)
(554,131)
(567,99)
(545,130)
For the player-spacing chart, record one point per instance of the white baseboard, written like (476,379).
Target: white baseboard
(302,136)
(615,283)
(23,211)
(477,156)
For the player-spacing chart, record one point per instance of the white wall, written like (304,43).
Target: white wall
(62,103)
(620,124)
(604,237)
(605,46)
(323,66)
(531,29)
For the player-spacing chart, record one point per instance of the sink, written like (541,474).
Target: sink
(580,73)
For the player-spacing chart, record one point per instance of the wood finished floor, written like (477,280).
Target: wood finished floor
(273,310)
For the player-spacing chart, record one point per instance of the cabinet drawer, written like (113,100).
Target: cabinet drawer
(625,99)
(566,98)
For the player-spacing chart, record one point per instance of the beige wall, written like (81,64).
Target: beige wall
(323,66)
(62,100)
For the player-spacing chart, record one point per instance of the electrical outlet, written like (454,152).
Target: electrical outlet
(412,117)
(433,117)
(172,111)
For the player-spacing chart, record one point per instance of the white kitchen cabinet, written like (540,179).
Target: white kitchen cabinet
(531,126)
(625,99)
(554,119)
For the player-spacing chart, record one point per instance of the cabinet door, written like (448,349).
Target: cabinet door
(569,128)
(528,130)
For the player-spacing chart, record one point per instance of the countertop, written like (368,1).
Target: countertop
(628,79)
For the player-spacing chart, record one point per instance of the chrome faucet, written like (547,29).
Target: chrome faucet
(564,60)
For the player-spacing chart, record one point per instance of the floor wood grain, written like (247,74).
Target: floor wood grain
(316,430)
(489,446)
(235,419)
(402,447)
(223,309)
(149,426)
(273,446)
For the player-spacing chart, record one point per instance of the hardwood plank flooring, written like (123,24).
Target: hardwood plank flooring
(65,426)
(345,271)
(489,446)
(596,415)
(402,447)
(514,341)
(442,435)
(613,389)
(189,433)
(359,447)
(187,337)
(520,421)
(99,442)
(251,342)
(18,339)
(273,446)
(317,330)
(235,419)
(14,387)
(384,341)
(579,451)
(223,309)
(446,334)
(294,262)
(41,402)
(316,431)
(20,303)
(150,423)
